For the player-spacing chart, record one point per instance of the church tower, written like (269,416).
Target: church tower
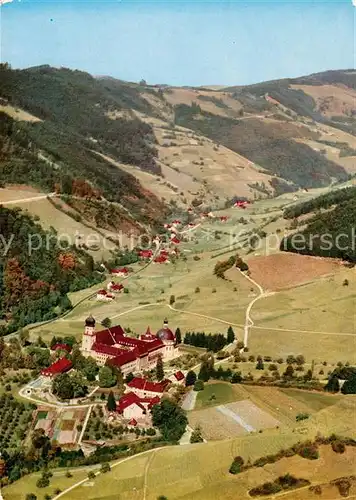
(89,336)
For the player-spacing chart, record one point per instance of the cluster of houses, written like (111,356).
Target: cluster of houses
(110,293)
(141,395)
(241,204)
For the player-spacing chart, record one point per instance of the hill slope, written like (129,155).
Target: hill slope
(36,272)
(140,147)
(329,229)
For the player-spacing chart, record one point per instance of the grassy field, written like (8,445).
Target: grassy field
(322,310)
(200,472)
(316,401)
(217,393)
(259,407)
(27,484)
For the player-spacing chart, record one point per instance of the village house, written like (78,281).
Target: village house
(145,254)
(112,346)
(161,259)
(122,271)
(114,287)
(104,295)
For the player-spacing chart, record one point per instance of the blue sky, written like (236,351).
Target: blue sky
(181,42)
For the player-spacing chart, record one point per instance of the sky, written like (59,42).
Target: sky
(192,42)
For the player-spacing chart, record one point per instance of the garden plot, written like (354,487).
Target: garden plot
(232,420)
(60,425)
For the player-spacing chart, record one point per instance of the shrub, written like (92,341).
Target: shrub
(199,385)
(105,467)
(42,482)
(343,484)
(301,416)
(237,465)
(338,446)
(316,489)
(308,450)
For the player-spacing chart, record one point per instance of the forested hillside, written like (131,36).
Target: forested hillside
(272,146)
(36,272)
(330,233)
(73,108)
(324,201)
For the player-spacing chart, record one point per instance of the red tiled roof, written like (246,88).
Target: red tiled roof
(131,398)
(123,357)
(145,253)
(161,259)
(117,287)
(60,366)
(127,400)
(105,349)
(148,336)
(147,385)
(175,241)
(179,375)
(122,349)
(62,347)
(102,292)
(121,270)
(110,336)
(151,401)
(133,422)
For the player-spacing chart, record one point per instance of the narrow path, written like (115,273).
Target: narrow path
(145,480)
(85,424)
(205,316)
(248,321)
(28,200)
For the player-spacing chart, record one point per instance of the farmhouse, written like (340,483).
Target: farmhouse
(161,259)
(61,366)
(104,295)
(114,287)
(223,218)
(145,254)
(112,346)
(122,271)
(147,389)
(175,240)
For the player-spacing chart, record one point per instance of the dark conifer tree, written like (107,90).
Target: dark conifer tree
(178,336)
(111,404)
